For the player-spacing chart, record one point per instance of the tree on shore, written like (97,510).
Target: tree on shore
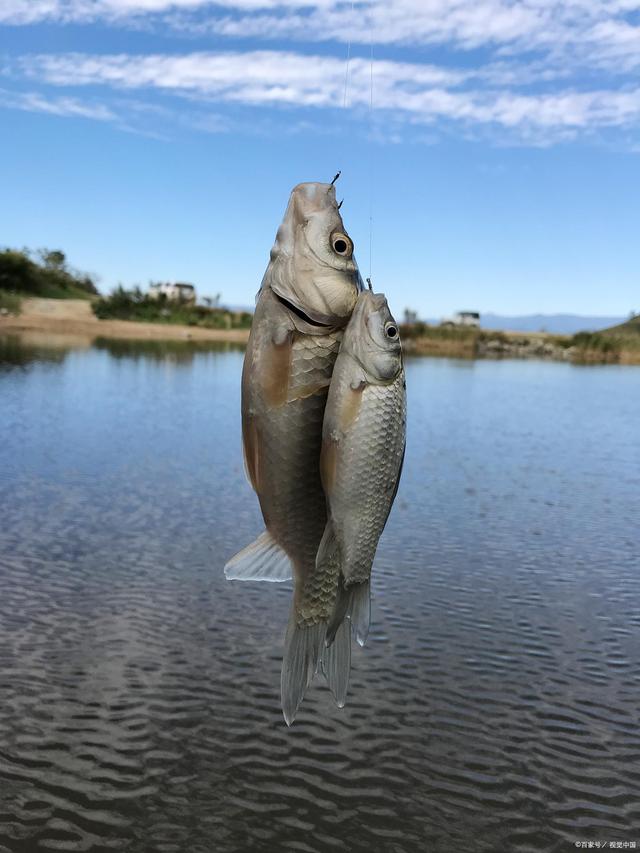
(45,274)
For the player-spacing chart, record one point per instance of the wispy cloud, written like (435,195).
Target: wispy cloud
(130,114)
(586,31)
(413,92)
(59,106)
(543,70)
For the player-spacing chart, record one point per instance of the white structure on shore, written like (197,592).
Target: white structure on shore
(463,318)
(177,292)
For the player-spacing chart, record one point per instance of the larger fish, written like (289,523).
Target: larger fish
(307,295)
(363,446)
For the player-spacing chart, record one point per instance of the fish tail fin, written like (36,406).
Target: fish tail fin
(354,603)
(303,647)
(262,560)
(336,663)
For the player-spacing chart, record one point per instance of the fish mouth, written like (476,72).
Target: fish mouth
(300,313)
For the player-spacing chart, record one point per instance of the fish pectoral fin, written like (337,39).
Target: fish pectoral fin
(275,370)
(336,663)
(262,560)
(251,451)
(303,647)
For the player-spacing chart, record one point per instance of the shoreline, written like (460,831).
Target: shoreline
(71,322)
(74,319)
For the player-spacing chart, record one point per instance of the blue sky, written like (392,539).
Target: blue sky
(159,140)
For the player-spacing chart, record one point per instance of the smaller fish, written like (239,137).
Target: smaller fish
(363,444)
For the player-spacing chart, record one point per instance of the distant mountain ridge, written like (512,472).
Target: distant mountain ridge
(560,324)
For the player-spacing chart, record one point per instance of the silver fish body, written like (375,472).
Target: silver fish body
(306,298)
(364,437)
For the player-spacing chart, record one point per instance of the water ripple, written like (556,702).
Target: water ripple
(494,708)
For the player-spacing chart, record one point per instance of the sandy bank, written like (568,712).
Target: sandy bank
(74,317)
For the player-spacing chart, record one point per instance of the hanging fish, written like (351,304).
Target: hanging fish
(363,443)
(306,298)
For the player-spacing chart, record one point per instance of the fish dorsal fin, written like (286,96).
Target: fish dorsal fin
(262,560)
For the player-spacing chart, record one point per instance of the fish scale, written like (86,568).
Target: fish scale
(306,298)
(290,471)
(371,457)
(362,453)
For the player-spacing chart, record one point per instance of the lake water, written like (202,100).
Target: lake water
(494,708)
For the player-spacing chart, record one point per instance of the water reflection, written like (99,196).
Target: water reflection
(18,351)
(177,352)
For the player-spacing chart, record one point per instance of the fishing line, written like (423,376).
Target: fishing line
(370,152)
(346,74)
(370,141)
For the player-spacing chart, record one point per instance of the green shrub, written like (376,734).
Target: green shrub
(50,277)
(133,304)
(11,302)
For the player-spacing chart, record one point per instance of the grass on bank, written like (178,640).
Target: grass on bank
(616,345)
(10,302)
(124,304)
(466,341)
(44,273)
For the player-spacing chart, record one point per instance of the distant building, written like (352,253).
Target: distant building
(463,318)
(177,292)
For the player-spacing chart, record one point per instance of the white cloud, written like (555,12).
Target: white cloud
(409,92)
(549,69)
(580,34)
(64,11)
(59,106)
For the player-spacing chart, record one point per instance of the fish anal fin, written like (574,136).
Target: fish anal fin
(353,603)
(361,611)
(336,663)
(341,611)
(262,560)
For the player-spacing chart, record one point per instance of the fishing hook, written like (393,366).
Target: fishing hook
(370,285)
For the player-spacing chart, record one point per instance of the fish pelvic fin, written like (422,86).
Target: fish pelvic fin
(353,603)
(262,560)
(336,663)
(303,647)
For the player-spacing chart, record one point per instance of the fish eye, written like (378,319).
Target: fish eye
(341,244)
(391,332)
